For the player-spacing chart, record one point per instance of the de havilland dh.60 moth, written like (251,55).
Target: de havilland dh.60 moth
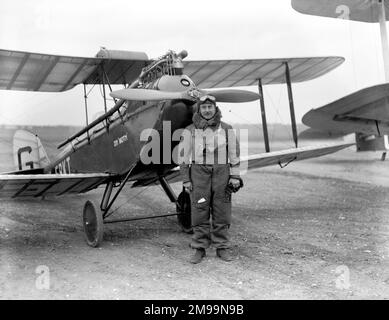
(108,150)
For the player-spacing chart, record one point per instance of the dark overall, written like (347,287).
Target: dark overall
(210,201)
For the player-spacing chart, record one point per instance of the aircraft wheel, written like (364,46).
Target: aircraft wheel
(184,212)
(93,224)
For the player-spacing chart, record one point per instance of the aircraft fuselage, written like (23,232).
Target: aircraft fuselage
(117,148)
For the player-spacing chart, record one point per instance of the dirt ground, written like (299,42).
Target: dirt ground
(318,229)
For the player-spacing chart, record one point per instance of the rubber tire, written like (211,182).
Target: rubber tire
(93,224)
(184,215)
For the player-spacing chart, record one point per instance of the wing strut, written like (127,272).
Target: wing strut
(105,116)
(263,114)
(291,108)
(291,104)
(86,109)
(384,37)
(104,95)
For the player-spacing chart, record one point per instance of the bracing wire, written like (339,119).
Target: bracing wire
(134,196)
(278,113)
(256,125)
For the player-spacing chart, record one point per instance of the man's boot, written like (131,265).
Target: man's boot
(224,254)
(197,256)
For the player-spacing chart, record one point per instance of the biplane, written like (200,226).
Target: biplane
(365,112)
(108,151)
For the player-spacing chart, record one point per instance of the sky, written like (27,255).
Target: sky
(245,29)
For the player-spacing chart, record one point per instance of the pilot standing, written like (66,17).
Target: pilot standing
(209,167)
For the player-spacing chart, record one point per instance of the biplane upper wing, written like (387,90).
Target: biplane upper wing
(37,185)
(53,73)
(357,10)
(365,111)
(236,73)
(256,161)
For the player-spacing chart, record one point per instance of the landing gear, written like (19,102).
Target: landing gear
(95,215)
(383,157)
(183,208)
(93,224)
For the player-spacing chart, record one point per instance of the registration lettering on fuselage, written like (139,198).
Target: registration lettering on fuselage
(63,167)
(120,140)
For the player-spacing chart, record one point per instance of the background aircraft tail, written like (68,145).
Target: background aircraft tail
(371,143)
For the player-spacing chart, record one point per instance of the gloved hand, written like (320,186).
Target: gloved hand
(234,184)
(188,186)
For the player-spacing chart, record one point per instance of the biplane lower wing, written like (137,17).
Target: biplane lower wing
(365,111)
(284,157)
(256,161)
(38,185)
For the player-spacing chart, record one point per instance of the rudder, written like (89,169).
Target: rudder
(28,151)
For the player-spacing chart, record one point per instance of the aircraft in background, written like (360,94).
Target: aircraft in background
(108,151)
(365,112)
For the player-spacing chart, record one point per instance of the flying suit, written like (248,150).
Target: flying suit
(210,156)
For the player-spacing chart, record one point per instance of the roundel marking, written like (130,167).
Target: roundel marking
(185,82)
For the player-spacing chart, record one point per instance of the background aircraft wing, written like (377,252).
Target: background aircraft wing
(37,185)
(357,10)
(52,73)
(365,111)
(235,73)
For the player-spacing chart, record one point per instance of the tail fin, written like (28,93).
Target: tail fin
(28,151)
